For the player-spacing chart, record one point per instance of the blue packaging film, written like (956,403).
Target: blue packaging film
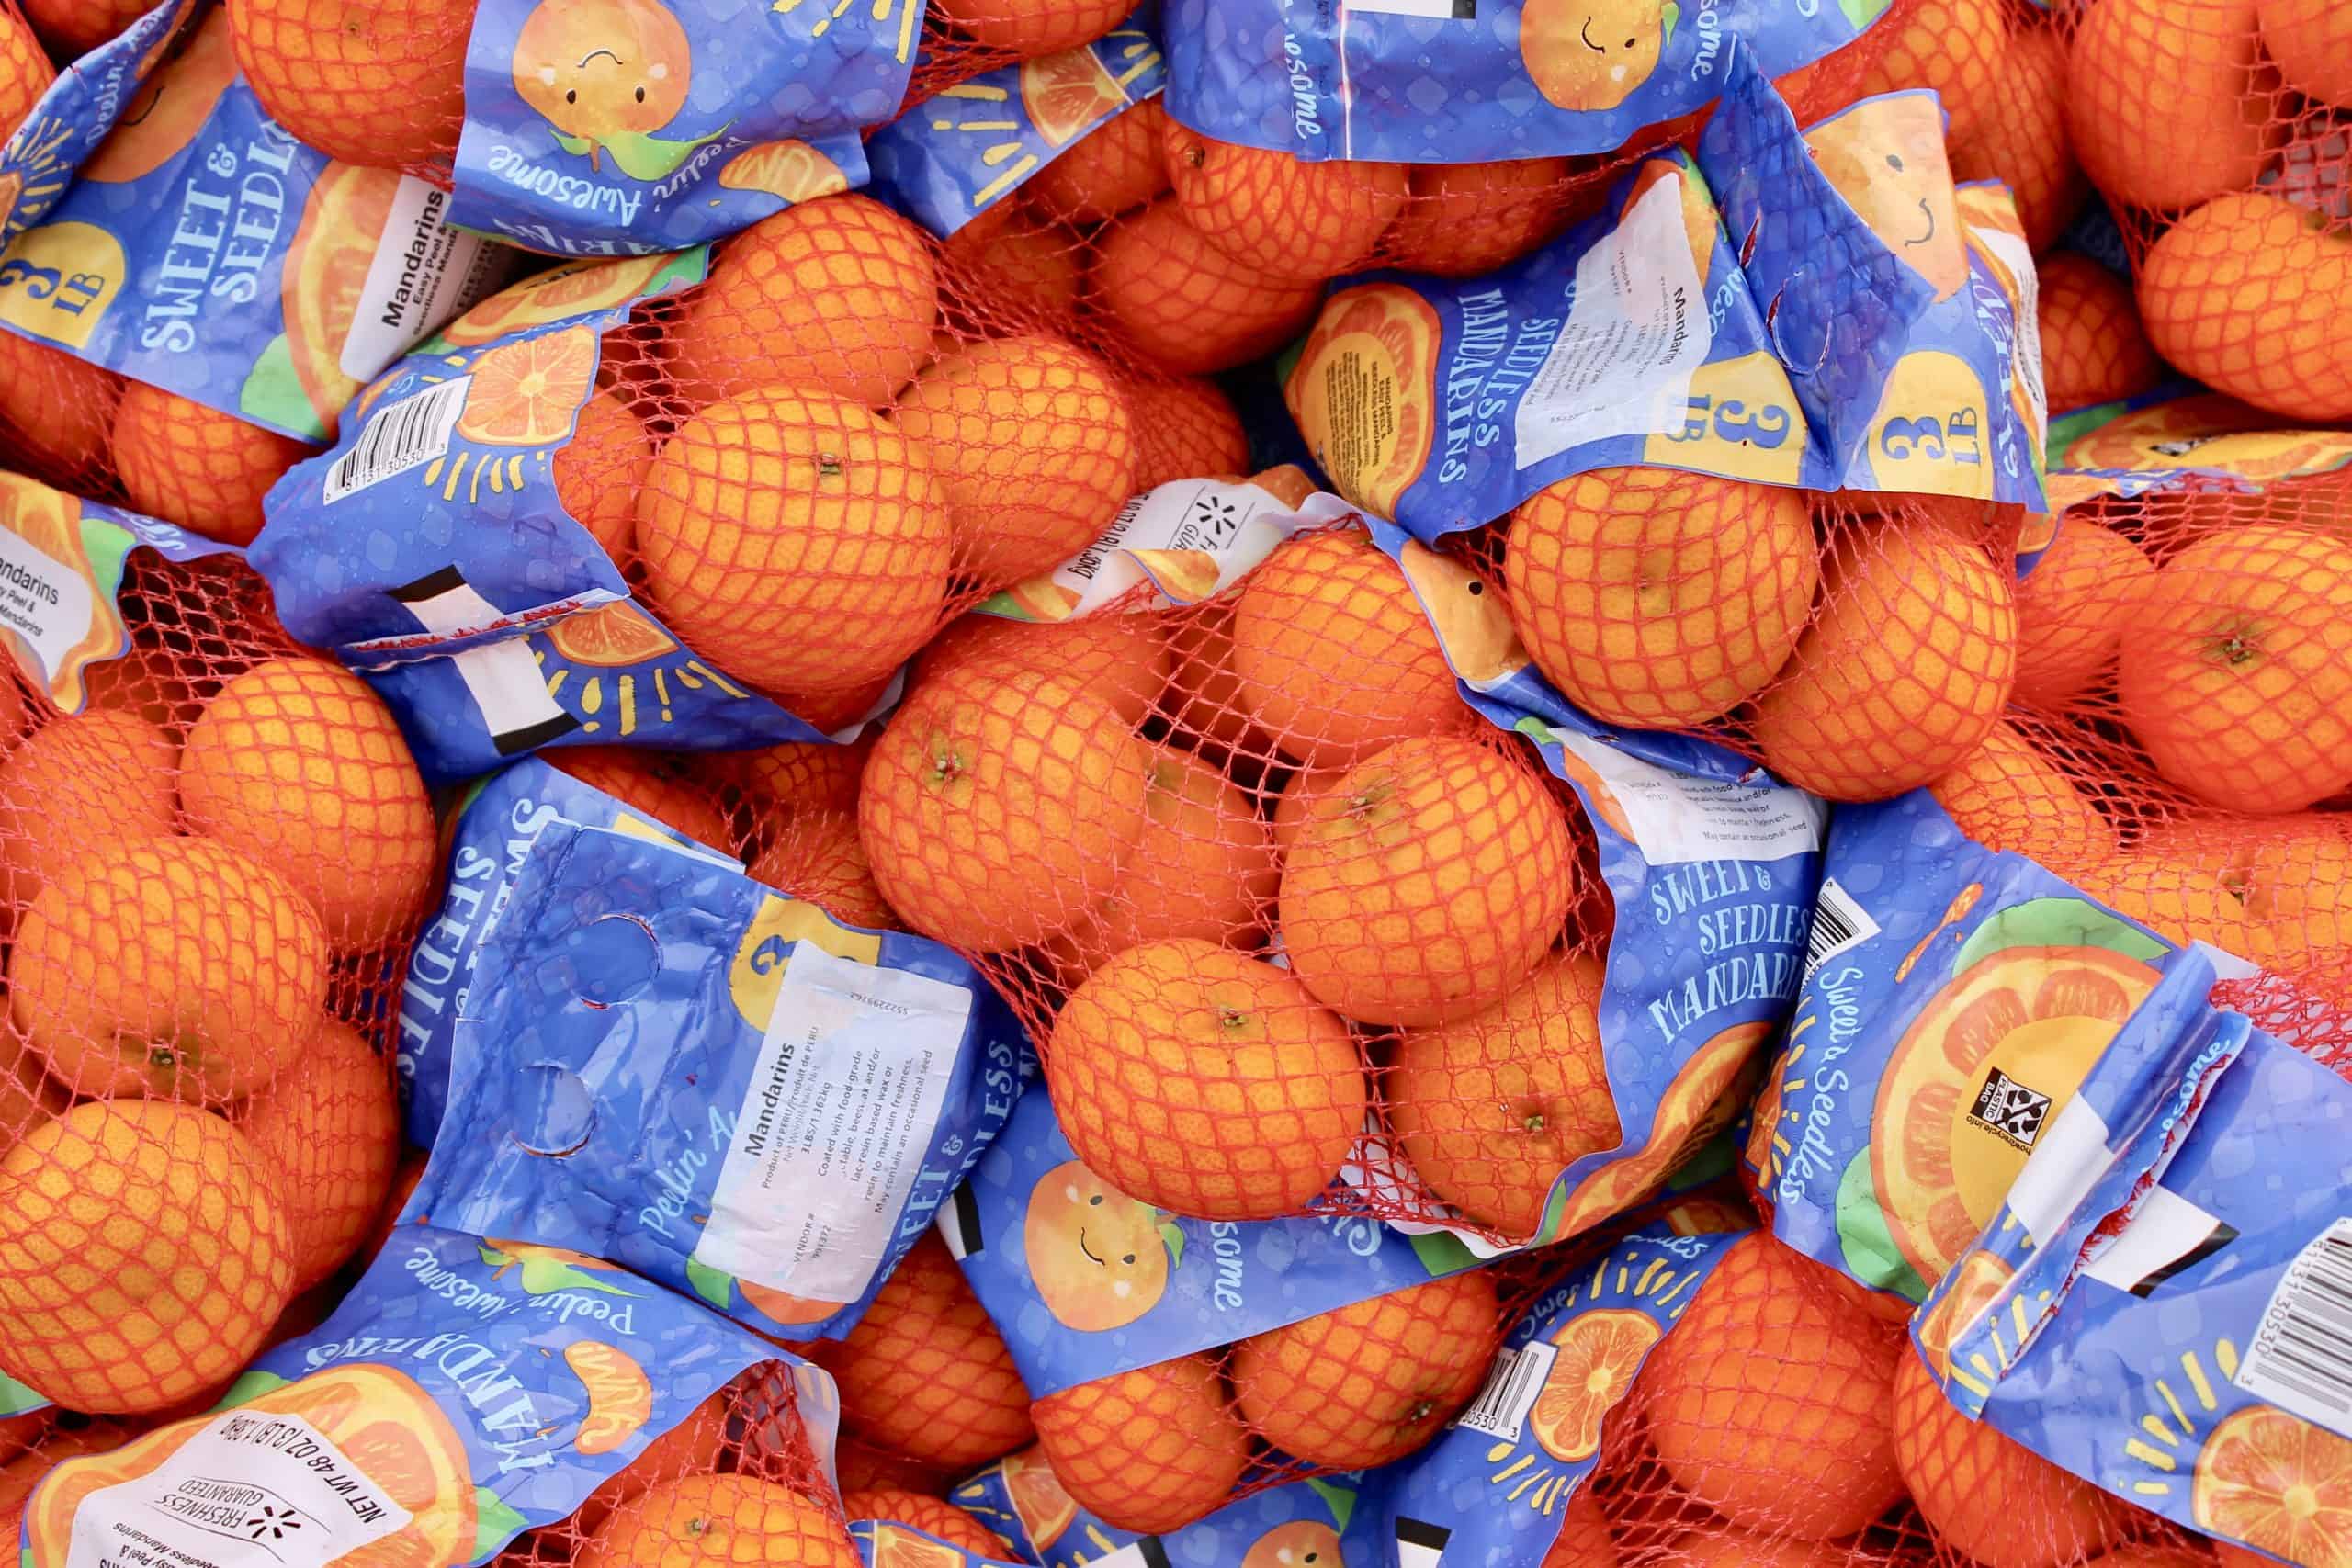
(77,111)
(664,1063)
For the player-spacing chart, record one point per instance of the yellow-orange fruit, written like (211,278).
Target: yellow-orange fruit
(1149,1450)
(2311,42)
(659,785)
(1124,658)
(1334,653)
(1185,304)
(1018,261)
(1722,1546)
(2236,294)
(802,775)
(329,1129)
(933,1516)
(1428,884)
(143,1255)
(1905,670)
(862,1467)
(1114,168)
(2021,138)
(1301,793)
(818,858)
(1032,27)
(834,296)
(2092,349)
(600,470)
(1204,698)
(77,782)
(1956,47)
(1466,220)
(1284,218)
(720,1521)
(2166,103)
(298,764)
(1029,441)
(373,82)
(2236,667)
(1184,428)
(74,28)
(195,466)
(798,541)
(2071,609)
(1998,1503)
(24,70)
(1656,598)
(2007,795)
(1584,1540)
(692,1447)
(59,409)
(997,804)
(172,967)
(1206,1083)
(1768,1402)
(2178,898)
(1361,1385)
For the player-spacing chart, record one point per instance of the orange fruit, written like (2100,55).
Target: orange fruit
(2309,40)
(1149,1450)
(298,764)
(933,1516)
(692,1447)
(2092,349)
(1957,47)
(1656,598)
(1031,442)
(371,82)
(1905,670)
(798,541)
(2293,877)
(106,775)
(816,858)
(1186,305)
(1768,1402)
(1282,216)
(1467,219)
(144,1255)
(1205,1083)
(24,70)
(657,785)
(802,775)
(1334,654)
(1203,868)
(862,1466)
(25,1469)
(1362,1384)
(1428,884)
(2236,667)
(2234,293)
(1203,698)
(1184,428)
(1032,27)
(708,1521)
(194,466)
(59,409)
(2019,138)
(74,28)
(1017,262)
(1596,1355)
(330,1128)
(1114,168)
(2166,103)
(2071,609)
(1123,658)
(924,1373)
(2179,900)
(1491,1108)
(1722,1546)
(600,470)
(1302,792)
(173,967)
(27,1096)
(997,807)
(1584,1540)
(835,296)
(2277,1481)
(2008,795)
(1994,1500)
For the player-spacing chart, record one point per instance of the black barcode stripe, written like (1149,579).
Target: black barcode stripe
(2301,1358)
(1497,1408)
(1838,923)
(415,430)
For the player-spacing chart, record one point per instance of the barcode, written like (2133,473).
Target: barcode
(400,436)
(1838,923)
(1500,1410)
(2301,1359)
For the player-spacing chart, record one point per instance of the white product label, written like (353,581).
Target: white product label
(2018,259)
(250,1489)
(841,1105)
(399,437)
(2301,1359)
(424,273)
(1677,818)
(1637,329)
(1839,925)
(1229,527)
(43,601)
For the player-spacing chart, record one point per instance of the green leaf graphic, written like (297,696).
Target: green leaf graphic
(642,156)
(16,1398)
(2055,923)
(1338,1499)
(543,1276)
(712,1286)
(249,1387)
(1173,1235)
(273,393)
(1871,1255)
(1442,1252)
(1862,13)
(495,1524)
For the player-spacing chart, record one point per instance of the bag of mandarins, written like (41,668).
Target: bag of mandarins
(465,1392)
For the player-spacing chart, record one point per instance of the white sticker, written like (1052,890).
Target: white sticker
(1512,1384)
(399,437)
(250,1489)
(1638,329)
(2301,1358)
(1677,818)
(839,1113)
(43,601)
(424,274)
(1839,925)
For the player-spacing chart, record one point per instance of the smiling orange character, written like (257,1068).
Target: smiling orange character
(606,75)
(1095,1255)
(1302,1543)
(1589,55)
(1885,156)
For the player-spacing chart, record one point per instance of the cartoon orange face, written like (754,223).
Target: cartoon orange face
(1885,156)
(602,69)
(1589,55)
(1302,1543)
(1094,1253)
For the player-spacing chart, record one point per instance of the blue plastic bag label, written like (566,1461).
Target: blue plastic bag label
(1897,356)
(76,113)
(2177,438)
(1490,1493)
(431,551)
(1463,81)
(881,1543)
(522,1378)
(1711,865)
(2157,1306)
(602,127)
(492,832)
(667,1064)
(1320,1522)
(957,154)
(203,249)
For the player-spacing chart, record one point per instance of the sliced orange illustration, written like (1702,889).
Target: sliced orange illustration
(525,394)
(1595,1359)
(793,170)
(610,635)
(2278,1482)
(571,289)
(1044,1510)
(1066,93)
